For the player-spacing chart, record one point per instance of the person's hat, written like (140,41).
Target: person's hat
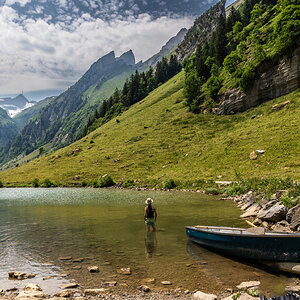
(149,201)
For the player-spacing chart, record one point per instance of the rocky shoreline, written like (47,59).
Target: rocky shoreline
(270,214)
(244,291)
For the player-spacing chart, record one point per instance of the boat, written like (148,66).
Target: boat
(252,243)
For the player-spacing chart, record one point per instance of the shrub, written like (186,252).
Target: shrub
(231,61)
(236,189)
(170,184)
(105,181)
(35,182)
(48,183)
(1,184)
(213,191)
(213,86)
(288,201)
(248,76)
(128,183)
(84,183)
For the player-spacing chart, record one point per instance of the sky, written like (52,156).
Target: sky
(47,45)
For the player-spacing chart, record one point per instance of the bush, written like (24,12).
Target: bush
(48,183)
(213,191)
(84,183)
(236,189)
(105,181)
(248,76)
(35,182)
(128,183)
(1,184)
(231,61)
(170,184)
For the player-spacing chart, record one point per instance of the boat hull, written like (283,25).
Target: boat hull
(277,247)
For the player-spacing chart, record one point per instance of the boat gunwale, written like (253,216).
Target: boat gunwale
(242,232)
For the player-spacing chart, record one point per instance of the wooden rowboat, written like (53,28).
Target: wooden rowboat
(252,243)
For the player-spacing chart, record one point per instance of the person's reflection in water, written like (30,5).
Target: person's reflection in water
(150,244)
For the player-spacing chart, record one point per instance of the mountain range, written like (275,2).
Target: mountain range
(15,105)
(63,120)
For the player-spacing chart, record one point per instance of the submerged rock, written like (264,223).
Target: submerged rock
(248,284)
(69,286)
(144,288)
(94,292)
(20,275)
(124,271)
(94,269)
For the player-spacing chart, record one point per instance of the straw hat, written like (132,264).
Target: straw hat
(149,201)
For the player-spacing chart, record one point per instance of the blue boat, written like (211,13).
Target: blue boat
(252,243)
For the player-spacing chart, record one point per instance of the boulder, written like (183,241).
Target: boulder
(257,222)
(166,282)
(282,226)
(249,197)
(273,214)
(253,155)
(291,212)
(252,211)
(295,222)
(203,296)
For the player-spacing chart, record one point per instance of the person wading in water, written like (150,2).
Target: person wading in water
(150,215)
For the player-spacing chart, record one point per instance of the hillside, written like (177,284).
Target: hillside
(8,128)
(24,116)
(158,139)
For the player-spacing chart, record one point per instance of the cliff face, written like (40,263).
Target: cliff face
(277,79)
(201,31)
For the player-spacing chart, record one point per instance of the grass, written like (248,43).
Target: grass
(157,140)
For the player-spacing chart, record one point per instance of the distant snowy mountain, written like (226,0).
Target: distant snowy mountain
(15,105)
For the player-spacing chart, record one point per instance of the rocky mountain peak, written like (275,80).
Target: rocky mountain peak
(128,58)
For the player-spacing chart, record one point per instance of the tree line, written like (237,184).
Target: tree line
(137,87)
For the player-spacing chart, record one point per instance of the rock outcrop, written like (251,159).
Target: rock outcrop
(278,77)
(203,25)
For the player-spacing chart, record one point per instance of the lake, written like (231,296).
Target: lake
(105,227)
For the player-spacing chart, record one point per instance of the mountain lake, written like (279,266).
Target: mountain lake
(52,232)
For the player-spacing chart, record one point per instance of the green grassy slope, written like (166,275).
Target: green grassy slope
(157,139)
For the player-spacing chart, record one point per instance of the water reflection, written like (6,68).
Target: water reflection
(150,244)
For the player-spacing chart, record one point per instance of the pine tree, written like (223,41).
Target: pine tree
(221,40)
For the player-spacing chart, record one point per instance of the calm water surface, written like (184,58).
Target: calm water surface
(106,228)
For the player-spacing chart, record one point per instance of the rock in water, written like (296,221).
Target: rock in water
(94,269)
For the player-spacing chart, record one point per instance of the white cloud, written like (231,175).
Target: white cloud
(36,55)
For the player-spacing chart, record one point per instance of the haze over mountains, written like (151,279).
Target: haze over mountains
(15,105)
